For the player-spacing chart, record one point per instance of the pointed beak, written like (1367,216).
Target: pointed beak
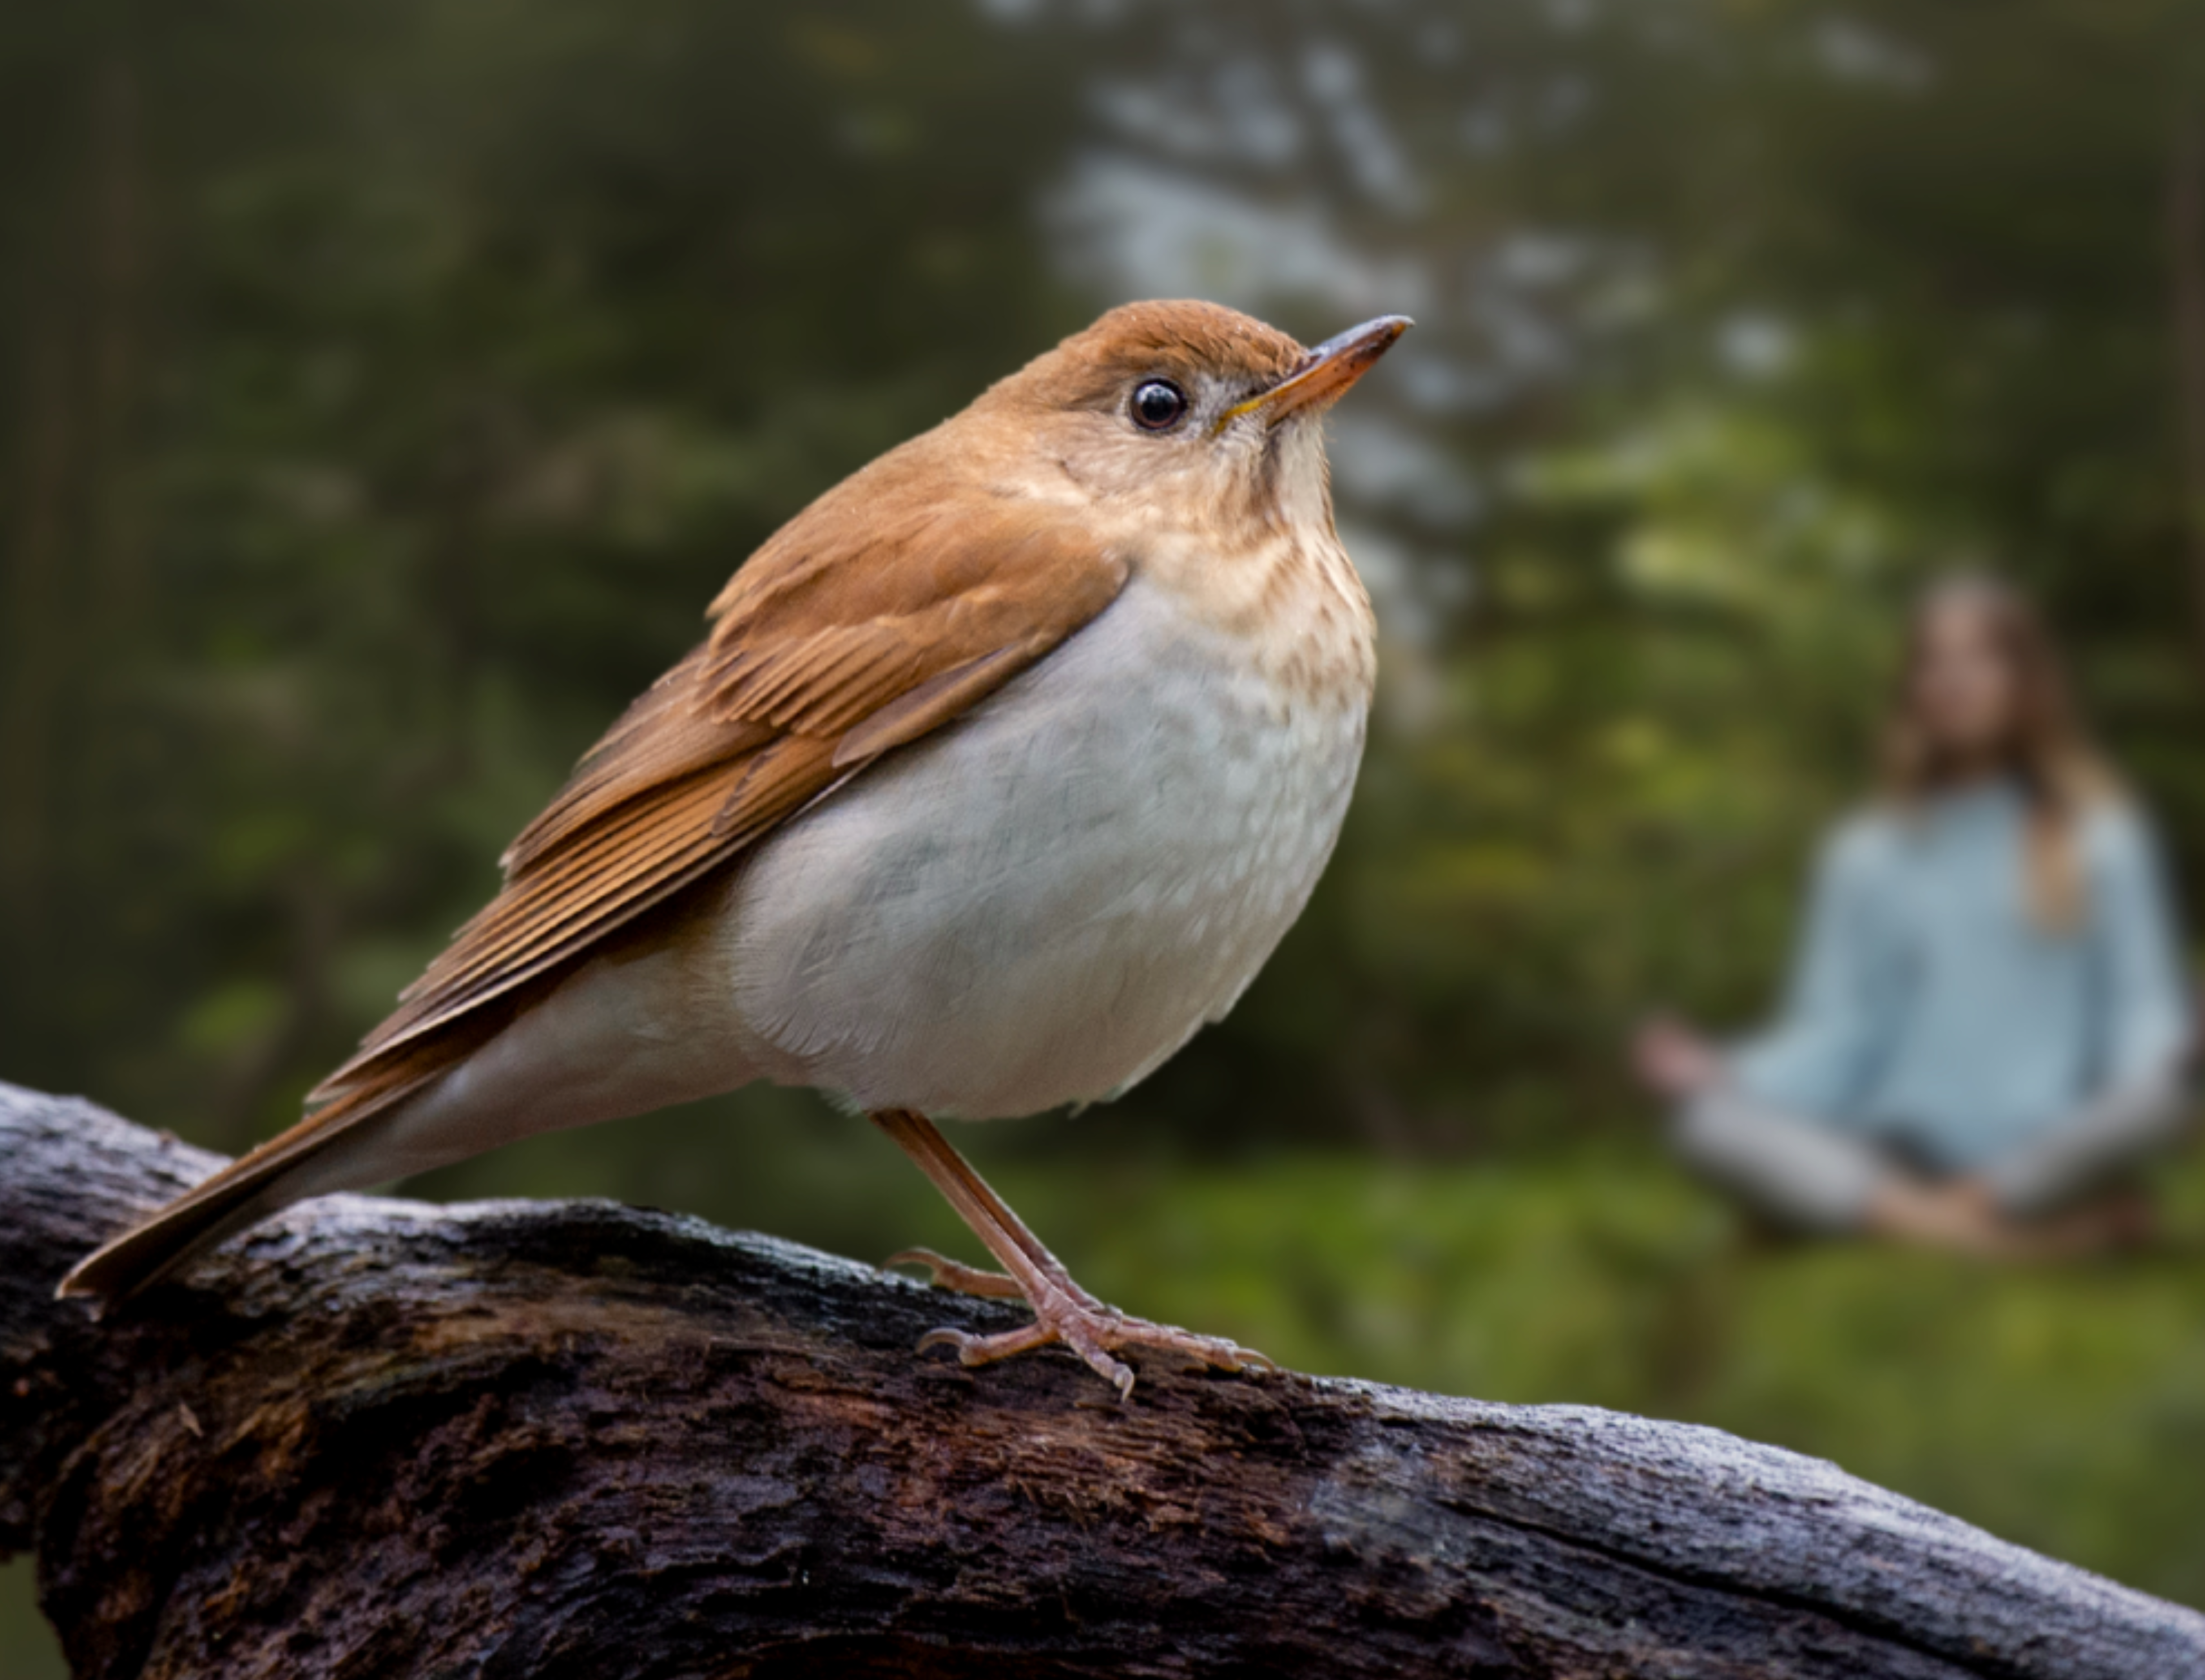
(1325,372)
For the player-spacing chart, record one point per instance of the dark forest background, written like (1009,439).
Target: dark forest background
(386,385)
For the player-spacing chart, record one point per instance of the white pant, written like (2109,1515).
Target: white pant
(1817,1177)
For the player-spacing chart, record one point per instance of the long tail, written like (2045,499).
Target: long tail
(558,1052)
(321,1153)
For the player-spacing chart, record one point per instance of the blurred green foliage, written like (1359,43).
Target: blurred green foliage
(385,387)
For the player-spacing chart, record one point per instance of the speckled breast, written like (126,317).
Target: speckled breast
(1040,904)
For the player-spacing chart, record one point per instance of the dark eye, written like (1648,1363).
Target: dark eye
(1158,405)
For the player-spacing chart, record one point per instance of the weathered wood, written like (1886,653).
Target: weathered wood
(379,1439)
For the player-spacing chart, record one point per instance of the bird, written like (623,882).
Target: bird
(1001,770)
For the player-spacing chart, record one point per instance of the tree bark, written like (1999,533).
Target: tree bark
(376,1437)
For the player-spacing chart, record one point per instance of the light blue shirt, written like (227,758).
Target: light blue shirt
(1927,1005)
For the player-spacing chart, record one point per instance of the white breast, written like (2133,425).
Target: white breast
(1042,902)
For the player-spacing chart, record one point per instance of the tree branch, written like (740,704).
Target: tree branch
(378,1438)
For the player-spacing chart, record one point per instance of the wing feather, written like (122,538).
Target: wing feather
(845,637)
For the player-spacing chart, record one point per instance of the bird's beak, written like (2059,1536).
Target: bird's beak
(1325,372)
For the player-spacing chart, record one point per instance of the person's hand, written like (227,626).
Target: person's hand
(1931,1214)
(1959,1214)
(1675,1061)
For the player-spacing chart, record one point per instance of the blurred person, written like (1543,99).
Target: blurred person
(1986,1021)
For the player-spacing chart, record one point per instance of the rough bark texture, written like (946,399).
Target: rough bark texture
(381,1438)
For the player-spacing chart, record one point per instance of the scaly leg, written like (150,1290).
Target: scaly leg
(1063,1312)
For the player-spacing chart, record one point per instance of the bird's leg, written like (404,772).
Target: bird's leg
(1063,1312)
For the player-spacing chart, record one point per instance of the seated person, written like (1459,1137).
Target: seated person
(1987,1019)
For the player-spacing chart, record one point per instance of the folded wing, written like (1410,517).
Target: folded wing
(879,614)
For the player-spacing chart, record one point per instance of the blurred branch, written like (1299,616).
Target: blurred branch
(573,1438)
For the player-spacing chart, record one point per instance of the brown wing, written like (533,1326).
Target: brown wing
(875,616)
(843,639)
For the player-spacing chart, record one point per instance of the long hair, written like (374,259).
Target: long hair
(2048,752)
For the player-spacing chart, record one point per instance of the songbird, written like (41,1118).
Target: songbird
(1003,768)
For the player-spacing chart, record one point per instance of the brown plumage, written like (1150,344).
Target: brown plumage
(845,636)
(899,601)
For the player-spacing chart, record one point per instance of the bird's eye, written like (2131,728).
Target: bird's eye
(1158,405)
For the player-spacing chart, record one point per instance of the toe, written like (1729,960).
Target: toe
(1212,1351)
(1090,1349)
(957,1277)
(973,1350)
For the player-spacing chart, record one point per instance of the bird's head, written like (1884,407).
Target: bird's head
(1191,410)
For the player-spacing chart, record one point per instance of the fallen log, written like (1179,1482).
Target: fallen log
(377,1437)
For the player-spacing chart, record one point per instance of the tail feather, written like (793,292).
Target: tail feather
(272,1177)
(575,1060)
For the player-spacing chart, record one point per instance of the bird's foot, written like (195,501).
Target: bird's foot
(1067,1314)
